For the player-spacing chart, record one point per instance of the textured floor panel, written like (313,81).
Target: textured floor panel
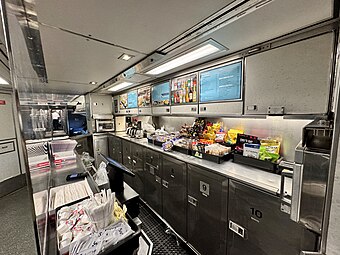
(16,230)
(163,244)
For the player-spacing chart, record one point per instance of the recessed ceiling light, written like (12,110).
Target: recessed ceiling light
(120,86)
(200,52)
(93,82)
(3,81)
(125,57)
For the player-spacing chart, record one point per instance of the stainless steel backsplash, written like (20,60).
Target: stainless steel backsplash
(288,131)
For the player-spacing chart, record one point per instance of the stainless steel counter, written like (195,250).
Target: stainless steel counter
(266,181)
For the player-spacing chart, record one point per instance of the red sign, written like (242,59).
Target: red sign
(2,102)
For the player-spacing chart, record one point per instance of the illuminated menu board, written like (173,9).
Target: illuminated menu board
(132,99)
(222,83)
(144,97)
(123,101)
(161,94)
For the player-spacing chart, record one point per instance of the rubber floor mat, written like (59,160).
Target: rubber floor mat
(163,243)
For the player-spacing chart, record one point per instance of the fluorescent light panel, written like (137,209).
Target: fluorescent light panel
(184,59)
(125,57)
(3,81)
(120,86)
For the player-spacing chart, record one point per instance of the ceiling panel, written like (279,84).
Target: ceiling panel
(254,28)
(75,59)
(141,25)
(270,21)
(273,20)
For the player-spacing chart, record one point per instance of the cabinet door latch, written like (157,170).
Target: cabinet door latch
(192,200)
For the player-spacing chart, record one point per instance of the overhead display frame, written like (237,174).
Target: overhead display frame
(144,97)
(123,104)
(222,83)
(184,89)
(132,99)
(161,94)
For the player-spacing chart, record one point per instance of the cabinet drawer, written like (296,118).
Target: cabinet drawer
(265,230)
(137,151)
(6,147)
(152,158)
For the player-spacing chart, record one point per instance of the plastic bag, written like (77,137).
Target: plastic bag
(101,175)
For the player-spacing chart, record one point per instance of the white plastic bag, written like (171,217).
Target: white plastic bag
(101,177)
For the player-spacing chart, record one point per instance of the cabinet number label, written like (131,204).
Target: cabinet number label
(256,213)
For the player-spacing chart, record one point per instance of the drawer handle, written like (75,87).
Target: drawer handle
(4,147)
(193,109)
(165,184)
(158,179)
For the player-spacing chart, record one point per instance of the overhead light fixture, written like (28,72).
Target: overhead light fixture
(120,86)
(200,52)
(93,82)
(125,57)
(3,81)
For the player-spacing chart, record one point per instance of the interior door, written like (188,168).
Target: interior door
(138,180)
(207,210)
(174,194)
(115,149)
(127,156)
(153,181)
(258,227)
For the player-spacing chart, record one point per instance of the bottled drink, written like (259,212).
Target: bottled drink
(194,92)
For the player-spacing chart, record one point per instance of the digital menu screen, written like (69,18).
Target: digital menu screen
(161,94)
(222,83)
(123,101)
(132,99)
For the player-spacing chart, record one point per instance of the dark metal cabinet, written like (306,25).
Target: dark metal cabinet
(152,157)
(82,145)
(100,145)
(133,158)
(115,149)
(153,181)
(258,227)
(207,211)
(127,157)
(174,193)
(138,169)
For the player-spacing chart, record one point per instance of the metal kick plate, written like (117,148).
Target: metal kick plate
(236,228)
(204,188)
